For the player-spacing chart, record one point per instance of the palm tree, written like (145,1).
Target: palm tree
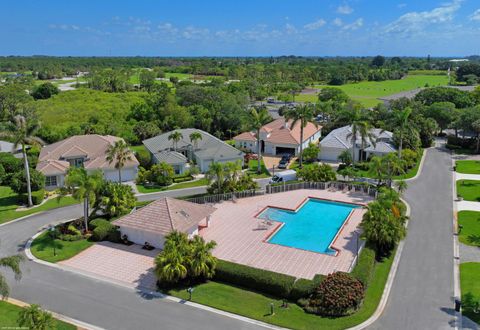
(392,166)
(120,154)
(377,169)
(13,263)
(83,186)
(202,262)
(401,122)
(258,118)
(216,172)
(402,186)
(22,131)
(476,128)
(360,126)
(302,115)
(170,266)
(175,137)
(195,137)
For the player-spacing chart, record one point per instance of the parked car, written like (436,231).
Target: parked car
(285,176)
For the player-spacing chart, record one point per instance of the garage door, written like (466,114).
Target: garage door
(282,151)
(140,237)
(128,174)
(329,154)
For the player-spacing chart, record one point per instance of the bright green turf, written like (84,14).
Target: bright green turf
(9,316)
(189,184)
(470,232)
(470,284)
(8,205)
(42,248)
(469,190)
(468,166)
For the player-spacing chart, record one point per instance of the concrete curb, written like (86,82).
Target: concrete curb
(456,249)
(388,286)
(142,291)
(420,168)
(77,323)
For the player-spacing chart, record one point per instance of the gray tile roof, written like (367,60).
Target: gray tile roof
(340,138)
(8,147)
(170,157)
(209,147)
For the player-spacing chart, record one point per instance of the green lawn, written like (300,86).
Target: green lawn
(252,169)
(42,248)
(257,306)
(470,285)
(368,92)
(469,190)
(8,205)
(9,316)
(189,184)
(139,148)
(470,232)
(468,166)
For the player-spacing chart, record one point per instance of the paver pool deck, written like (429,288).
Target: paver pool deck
(236,229)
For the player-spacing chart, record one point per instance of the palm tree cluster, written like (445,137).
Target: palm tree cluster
(383,224)
(228,177)
(182,259)
(385,168)
(120,154)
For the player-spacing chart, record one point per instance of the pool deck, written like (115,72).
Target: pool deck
(241,238)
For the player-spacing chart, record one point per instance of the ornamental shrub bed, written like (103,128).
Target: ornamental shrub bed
(365,266)
(303,288)
(256,279)
(37,197)
(104,230)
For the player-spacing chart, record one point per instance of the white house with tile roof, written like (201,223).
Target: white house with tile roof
(340,139)
(88,151)
(279,137)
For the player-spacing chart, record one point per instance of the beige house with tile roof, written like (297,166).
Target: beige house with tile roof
(279,137)
(88,151)
(153,222)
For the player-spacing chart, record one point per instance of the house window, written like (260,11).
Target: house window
(51,181)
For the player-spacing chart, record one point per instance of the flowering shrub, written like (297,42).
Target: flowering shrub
(339,294)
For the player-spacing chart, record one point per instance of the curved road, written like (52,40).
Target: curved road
(98,302)
(422,292)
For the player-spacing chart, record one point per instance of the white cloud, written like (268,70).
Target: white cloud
(476,15)
(344,10)
(337,22)
(354,25)
(315,25)
(414,22)
(291,29)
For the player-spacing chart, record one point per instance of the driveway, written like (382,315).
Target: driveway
(422,293)
(128,265)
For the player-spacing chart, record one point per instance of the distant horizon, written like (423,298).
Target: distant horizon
(188,28)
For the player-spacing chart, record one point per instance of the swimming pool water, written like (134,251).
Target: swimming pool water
(312,227)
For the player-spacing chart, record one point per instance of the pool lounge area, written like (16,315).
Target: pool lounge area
(243,236)
(313,226)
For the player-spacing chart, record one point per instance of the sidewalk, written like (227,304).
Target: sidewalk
(462,176)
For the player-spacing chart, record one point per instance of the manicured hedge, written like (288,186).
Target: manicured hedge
(365,266)
(256,279)
(302,288)
(37,197)
(104,230)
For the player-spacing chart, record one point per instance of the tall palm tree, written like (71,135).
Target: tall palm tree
(195,137)
(401,122)
(360,127)
(175,136)
(202,262)
(402,186)
(377,169)
(258,118)
(120,154)
(83,186)
(22,131)
(13,263)
(216,172)
(301,115)
(392,166)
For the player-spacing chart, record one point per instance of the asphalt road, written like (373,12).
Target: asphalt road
(422,293)
(93,301)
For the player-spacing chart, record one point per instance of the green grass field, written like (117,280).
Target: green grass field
(470,232)
(470,285)
(9,316)
(368,92)
(189,184)
(42,248)
(469,190)
(468,166)
(252,170)
(8,205)
(257,306)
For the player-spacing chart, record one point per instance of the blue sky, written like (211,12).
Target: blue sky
(240,28)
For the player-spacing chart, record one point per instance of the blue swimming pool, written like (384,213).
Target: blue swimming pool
(312,227)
